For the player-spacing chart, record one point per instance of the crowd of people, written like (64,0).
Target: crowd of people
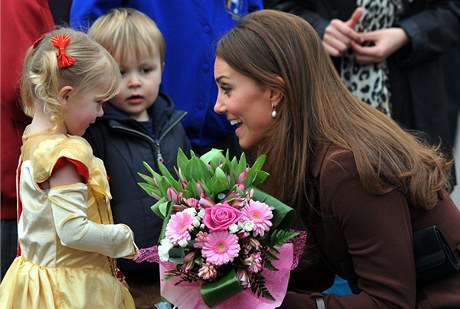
(355,96)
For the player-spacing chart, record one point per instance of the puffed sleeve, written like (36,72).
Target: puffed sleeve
(50,151)
(71,204)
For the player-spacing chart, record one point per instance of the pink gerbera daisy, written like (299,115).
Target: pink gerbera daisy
(220,248)
(177,228)
(260,214)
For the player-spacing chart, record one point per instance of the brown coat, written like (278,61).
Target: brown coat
(375,231)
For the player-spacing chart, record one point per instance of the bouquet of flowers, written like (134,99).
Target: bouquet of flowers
(223,241)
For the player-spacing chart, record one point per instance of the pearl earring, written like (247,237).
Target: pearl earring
(274,113)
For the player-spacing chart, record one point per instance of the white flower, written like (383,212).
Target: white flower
(233,228)
(183,243)
(190,210)
(196,222)
(247,225)
(163,249)
(201,213)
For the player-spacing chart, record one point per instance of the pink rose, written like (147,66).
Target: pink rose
(220,217)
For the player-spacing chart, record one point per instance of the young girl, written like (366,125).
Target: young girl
(67,239)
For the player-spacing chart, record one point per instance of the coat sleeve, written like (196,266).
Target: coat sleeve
(301,8)
(432,31)
(377,231)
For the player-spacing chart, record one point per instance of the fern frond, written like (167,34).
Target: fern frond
(259,288)
(280,237)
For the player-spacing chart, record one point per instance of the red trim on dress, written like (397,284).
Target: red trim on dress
(82,170)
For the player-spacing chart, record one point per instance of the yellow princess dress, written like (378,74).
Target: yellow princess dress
(67,238)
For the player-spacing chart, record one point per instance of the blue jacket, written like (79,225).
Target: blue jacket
(191,29)
(123,144)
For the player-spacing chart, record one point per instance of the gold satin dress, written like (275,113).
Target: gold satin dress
(67,238)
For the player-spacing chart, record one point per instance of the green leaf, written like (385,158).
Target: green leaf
(256,167)
(259,288)
(192,190)
(145,186)
(212,155)
(280,237)
(182,160)
(160,208)
(260,177)
(270,256)
(163,185)
(151,190)
(275,252)
(242,165)
(176,255)
(197,170)
(234,171)
(219,182)
(147,178)
(220,289)
(268,265)
(168,177)
(169,210)
(147,166)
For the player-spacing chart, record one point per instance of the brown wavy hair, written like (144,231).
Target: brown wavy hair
(317,108)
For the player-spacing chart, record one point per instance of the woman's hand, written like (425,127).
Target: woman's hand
(383,44)
(339,34)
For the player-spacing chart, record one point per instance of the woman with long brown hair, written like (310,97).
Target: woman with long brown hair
(361,185)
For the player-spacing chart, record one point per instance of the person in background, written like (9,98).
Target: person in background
(389,54)
(140,124)
(60,9)
(191,29)
(451,68)
(372,197)
(67,240)
(16,37)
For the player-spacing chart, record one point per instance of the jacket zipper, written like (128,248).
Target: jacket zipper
(155,142)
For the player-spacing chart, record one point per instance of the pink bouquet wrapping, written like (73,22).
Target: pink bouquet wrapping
(224,242)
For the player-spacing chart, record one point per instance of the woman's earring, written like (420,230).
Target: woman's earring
(274,113)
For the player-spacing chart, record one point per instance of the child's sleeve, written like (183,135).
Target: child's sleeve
(69,208)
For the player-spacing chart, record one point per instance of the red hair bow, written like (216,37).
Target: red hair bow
(60,41)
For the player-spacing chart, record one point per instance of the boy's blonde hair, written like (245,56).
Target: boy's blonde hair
(42,79)
(124,31)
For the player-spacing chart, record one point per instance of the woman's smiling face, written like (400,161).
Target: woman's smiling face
(245,102)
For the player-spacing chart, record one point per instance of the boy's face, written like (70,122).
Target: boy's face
(140,82)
